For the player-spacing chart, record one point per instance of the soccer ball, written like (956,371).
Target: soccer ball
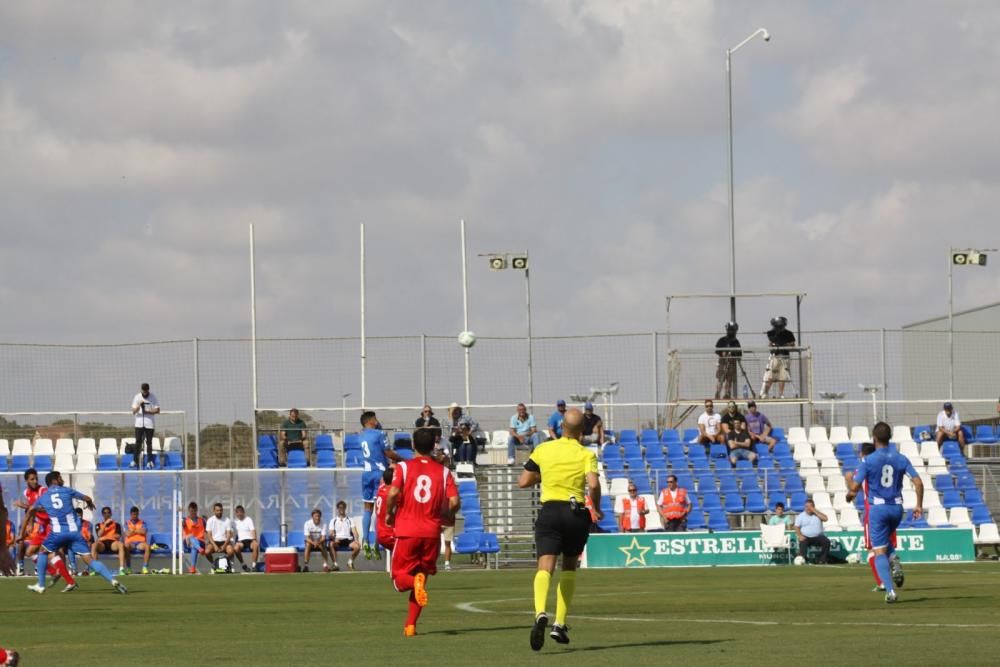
(799,560)
(853,559)
(466,339)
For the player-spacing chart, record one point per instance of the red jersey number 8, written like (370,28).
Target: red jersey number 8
(422,489)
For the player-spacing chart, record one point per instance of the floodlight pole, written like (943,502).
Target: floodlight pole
(253,344)
(732,211)
(951,326)
(465,309)
(527,297)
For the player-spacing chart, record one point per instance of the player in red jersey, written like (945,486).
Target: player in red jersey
(422,491)
(7,656)
(384,536)
(897,569)
(39,531)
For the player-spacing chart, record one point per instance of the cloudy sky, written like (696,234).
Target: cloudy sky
(138,141)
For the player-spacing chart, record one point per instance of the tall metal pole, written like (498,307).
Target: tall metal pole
(253,344)
(732,207)
(527,293)
(197,414)
(423,369)
(465,310)
(885,387)
(364,340)
(951,329)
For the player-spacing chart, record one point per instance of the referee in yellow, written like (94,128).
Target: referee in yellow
(562,467)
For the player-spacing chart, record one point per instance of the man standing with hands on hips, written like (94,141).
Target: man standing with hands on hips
(145,407)
(563,467)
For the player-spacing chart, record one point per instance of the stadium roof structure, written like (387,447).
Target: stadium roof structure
(957,313)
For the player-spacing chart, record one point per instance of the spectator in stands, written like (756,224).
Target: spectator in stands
(739,443)
(593,426)
(145,407)
(314,534)
(731,414)
(343,537)
(109,539)
(709,426)
(428,420)
(554,431)
(632,518)
(292,436)
(779,338)
(674,506)
(137,539)
(729,352)
(521,432)
(779,517)
(759,426)
(246,538)
(949,426)
(462,437)
(220,537)
(194,536)
(809,529)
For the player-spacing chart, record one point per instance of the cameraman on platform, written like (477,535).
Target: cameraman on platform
(144,407)
(729,351)
(779,338)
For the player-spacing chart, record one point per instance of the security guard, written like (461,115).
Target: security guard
(563,525)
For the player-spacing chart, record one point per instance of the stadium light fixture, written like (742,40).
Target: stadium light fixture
(959,257)
(763,33)
(872,389)
(833,397)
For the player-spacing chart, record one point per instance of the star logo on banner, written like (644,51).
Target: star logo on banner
(634,553)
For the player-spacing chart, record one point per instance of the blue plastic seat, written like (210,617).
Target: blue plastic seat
(353,459)
(608,523)
(717,520)
(965,482)
(711,501)
(269,538)
(727,484)
(489,544)
(845,450)
(755,502)
(642,484)
(718,451)
(405,453)
(297,459)
(675,450)
(782,451)
(655,454)
(402,440)
(793,484)
(974,497)
(984,433)
(636,464)
(951,498)
(775,497)
(943,482)
(706,483)
(470,504)
(632,451)
(326,458)
(43,463)
(778,433)
(266,458)
(981,514)
(267,441)
(744,464)
(950,448)
(467,543)
(690,434)
(324,442)
(611,450)
(797,501)
(685,480)
(352,441)
(696,520)
(473,522)
(296,539)
(733,503)
(175,461)
(670,435)
(104,462)
(649,435)
(628,436)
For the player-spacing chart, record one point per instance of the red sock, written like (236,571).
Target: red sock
(871,564)
(3,655)
(403,582)
(60,565)
(415,609)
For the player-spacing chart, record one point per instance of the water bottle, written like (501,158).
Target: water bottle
(746,392)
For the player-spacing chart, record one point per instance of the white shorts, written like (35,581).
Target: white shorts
(777,369)
(448,533)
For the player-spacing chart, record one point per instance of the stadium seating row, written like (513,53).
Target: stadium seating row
(88,454)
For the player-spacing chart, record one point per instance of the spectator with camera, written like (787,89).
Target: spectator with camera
(145,407)
(729,351)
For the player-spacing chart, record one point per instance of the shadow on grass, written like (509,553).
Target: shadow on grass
(662,642)
(465,631)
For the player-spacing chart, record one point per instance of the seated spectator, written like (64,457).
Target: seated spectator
(554,431)
(428,420)
(343,537)
(674,506)
(136,539)
(728,418)
(315,540)
(109,539)
(779,517)
(632,518)
(709,427)
(593,426)
(194,536)
(462,435)
(739,443)
(220,533)
(759,427)
(949,426)
(521,432)
(292,436)
(809,529)
(246,539)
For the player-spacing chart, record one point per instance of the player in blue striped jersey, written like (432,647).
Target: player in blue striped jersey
(375,456)
(58,504)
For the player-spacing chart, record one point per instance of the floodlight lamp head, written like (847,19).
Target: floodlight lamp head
(765,34)
(519,263)
(498,262)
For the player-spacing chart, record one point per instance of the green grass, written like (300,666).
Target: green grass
(801,615)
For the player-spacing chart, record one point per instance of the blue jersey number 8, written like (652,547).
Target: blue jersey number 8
(887,475)
(365,449)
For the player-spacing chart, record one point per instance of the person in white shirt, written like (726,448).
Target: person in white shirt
(709,426)
(949,426)
(246,538)
(314,534)
(145,407)
(220,537)
(343,536)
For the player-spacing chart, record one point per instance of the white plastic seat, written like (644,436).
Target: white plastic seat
(849,519)
(840,501)
(901,433)
(824,450)
(156,444)
(619,486)
(835,484)
(907,484)
(653,521)
(808,467)
(823,502)
(830,468)
(802,451)
(936,460)
(959,516)
(860,434)
(909,449)
(814,484)
(838,434)
(817,434)
(106,447)
(85,462)
(64,463)
(909,499)
(86,446)
(4,448)
(776,538)
(797,434)
(937,470)
(931,499)
(43,447)
(988,534)
(65,446)
(21,447)
(500,438)
(929,448)
(937,517)
(831,525)
(173,444)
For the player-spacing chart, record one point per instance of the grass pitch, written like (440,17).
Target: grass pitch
(777,615)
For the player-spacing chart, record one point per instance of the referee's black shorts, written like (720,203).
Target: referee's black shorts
(561,530)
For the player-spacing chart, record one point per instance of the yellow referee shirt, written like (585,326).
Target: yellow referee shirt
(563,465)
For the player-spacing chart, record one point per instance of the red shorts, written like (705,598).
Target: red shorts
(387,542)
(38,534)
(415,554)
(868,540)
